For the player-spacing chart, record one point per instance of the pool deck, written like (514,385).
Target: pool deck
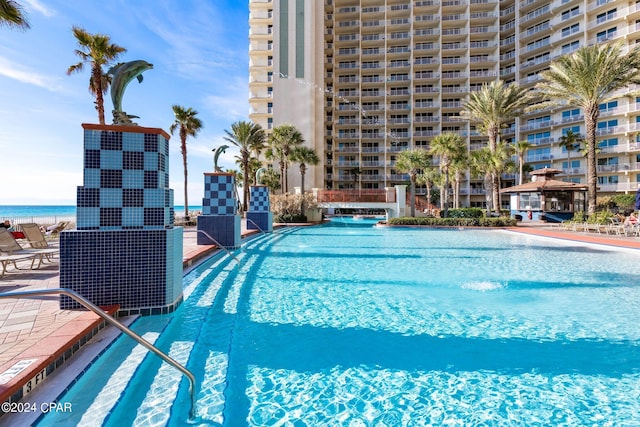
(36,333)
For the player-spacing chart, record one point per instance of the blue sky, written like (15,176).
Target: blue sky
(199,49)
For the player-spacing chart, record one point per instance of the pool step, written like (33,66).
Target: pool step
(110,393)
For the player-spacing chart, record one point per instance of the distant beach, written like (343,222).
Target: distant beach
(53,213)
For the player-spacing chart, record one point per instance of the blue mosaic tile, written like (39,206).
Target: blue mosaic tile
(110,159)
(132,141)
(259,199)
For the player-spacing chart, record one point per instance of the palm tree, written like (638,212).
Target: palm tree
(521,148)
(428,178)
(413,162)
(588,77)
(282,141)
(571,141)
(488,164)
(305,156)
(447,147)
(12,15)
(271,178)
(249,138)
(188,125)
(98,51)
(494,105)
(458,168)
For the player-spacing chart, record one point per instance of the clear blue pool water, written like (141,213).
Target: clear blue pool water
(347,324)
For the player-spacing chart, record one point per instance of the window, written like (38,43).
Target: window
(569,47)
(606,35)
(605,16)
(567,31)
(529,201)
(611,142)
(607,124)
(570,13)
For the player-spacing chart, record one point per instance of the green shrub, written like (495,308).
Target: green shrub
(454,222)
(291,218)
(466,213)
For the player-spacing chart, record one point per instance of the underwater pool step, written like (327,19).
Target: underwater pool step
(164,388)
(109,395)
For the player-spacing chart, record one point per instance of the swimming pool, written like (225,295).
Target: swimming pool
(350,324)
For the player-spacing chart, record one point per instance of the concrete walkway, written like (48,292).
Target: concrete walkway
(36,335)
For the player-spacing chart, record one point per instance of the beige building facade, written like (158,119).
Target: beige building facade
(364,80)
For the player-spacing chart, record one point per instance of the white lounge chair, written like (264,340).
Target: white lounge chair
(5,260)
(9,246)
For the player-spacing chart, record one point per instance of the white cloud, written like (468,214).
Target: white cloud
(16,72)
(37,6)
(233,104)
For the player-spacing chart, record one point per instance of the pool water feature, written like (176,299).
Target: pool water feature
(351,324)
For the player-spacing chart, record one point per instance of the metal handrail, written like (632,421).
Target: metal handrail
(89,305)
(254,223)
(219,245)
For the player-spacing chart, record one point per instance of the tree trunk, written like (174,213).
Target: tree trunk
(245,189)
(521,169)
(493,133)
(488,191)
(282,177)
(97,82)
(413,195)
(445,199)
(184,164)
(591,118)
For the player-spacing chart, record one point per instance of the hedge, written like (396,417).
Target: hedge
(455,222)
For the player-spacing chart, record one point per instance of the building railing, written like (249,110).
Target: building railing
(364,196)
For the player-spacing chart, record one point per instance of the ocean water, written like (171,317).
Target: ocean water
(14,212)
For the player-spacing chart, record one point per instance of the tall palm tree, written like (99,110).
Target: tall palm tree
(249,138)
(480,165)
(428,178)
(12,15)
(304,156)
(488,164)
(188,125)
(458,169)
(521,148)
(98,51)
(587,78)
(413,162)
(494,105)
(571,141)
(447,147)
(282,141)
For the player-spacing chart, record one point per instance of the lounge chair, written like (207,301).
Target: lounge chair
(35,236)
(5,260)
(51,231)
(9,246)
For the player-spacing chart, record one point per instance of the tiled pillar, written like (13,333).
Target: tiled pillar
(219,219)
(259,216)
(125,249)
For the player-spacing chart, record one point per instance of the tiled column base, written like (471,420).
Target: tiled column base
(262,221)
(225,229)
(140,270)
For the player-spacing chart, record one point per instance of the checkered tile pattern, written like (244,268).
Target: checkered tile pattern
(126,182)
(259,201)
(219,195)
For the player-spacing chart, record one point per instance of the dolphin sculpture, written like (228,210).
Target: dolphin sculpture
(121,74)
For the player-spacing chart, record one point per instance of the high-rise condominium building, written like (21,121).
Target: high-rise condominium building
(366,79)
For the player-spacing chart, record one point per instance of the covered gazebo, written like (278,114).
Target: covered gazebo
(545,198)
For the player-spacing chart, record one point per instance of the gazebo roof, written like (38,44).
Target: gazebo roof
(544,186)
